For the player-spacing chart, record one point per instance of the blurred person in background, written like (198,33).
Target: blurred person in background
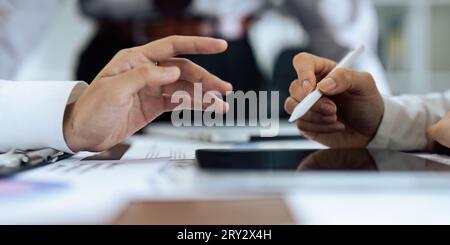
(263,35)
(22,25)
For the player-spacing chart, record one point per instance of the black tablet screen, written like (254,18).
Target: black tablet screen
(314,160)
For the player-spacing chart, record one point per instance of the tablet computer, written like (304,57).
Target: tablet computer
(313,160)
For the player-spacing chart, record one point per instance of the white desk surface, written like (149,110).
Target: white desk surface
(94,196)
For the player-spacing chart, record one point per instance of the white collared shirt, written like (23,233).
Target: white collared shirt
(407,118)
(32,113)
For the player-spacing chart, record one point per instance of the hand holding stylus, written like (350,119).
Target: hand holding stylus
(349,113)
(309,101)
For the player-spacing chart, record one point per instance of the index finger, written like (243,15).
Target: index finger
(194,73)
(310,69)
(172,46)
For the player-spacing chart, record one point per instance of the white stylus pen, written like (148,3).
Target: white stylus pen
(309,101)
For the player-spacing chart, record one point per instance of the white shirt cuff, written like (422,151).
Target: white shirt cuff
(384,133)
(32,113)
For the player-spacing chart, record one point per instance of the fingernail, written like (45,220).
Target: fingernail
(328,85)
(341,126)
(171,72)
(224,42)
(307,86)
(227,107)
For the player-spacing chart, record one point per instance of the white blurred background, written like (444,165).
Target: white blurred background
(414,45)
(56,55)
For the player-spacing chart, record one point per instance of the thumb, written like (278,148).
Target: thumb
(347,80)
(147,75)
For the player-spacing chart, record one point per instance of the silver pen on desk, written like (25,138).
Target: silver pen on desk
(16,158)
(39,156)
(10,159)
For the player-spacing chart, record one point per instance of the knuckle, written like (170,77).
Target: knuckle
(286,105)
(346,74)
(172,37)
(290,104)
(146,69)
(343,75)
(369,79)
(308,117)
(302,125)
(367,76)
(293,88)
(126,51)
(184,62)
(98,85)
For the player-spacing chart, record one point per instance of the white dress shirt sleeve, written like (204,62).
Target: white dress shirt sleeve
(407,118)
(32,113)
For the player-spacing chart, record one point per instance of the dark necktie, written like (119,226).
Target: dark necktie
(172,8)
